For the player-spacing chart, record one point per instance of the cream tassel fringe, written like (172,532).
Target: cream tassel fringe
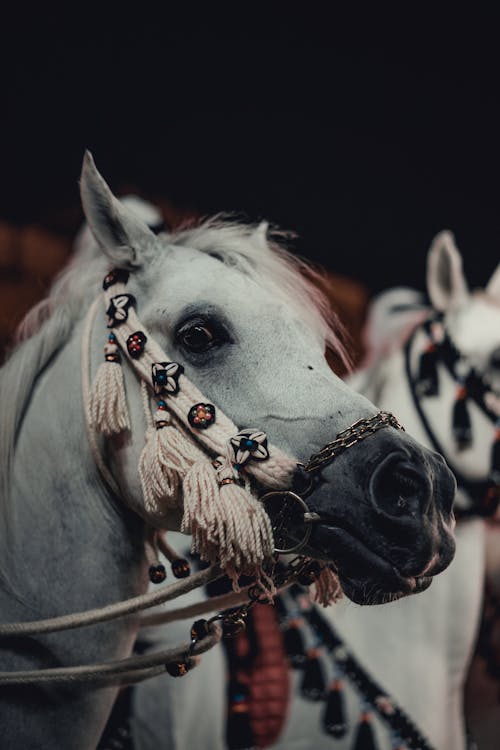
(107,401)
(326,589)
(226,522)
(166,455)
(160,482)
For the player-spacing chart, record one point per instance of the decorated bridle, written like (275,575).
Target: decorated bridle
(471,386)
(196,457)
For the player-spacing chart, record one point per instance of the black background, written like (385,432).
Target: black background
(364,132)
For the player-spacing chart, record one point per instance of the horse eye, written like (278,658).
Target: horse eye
(196,337)
(495,359)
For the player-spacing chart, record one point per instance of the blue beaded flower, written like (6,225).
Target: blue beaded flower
(249,444)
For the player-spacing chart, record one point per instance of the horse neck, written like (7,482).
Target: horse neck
(71,546)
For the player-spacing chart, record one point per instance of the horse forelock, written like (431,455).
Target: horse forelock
(272,266)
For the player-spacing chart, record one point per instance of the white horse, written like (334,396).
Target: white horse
(249,331)
(418,649)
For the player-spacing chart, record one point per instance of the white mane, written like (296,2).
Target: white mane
(47,327)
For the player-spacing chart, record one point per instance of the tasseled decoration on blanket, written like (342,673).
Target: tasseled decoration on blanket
(365,737)
(461,424)
(313,684)
(157,572)
(293,641)
(427,382)
(334,716)
(225,521)
(159,479)
(326,588)
(239,735)
(107,401)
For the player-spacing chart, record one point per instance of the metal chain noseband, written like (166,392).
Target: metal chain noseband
(358,431)
(287,508)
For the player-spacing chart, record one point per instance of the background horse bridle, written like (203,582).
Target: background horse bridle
(485,494)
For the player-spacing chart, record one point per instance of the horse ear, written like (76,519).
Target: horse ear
(259,234)
(445,278)
(493,287)
(123,236)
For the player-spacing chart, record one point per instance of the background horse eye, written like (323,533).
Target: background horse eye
(197,337)
(495,359)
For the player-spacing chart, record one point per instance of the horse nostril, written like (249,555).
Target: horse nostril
(404,482)
(397,489)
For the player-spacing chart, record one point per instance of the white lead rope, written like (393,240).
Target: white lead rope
(111,611)
(121,671)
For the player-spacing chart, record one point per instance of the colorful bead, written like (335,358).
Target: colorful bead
(111,350)
(199,630)
(136,344)
(115,276)
(201,416)
(181,568)
(157,573)
(179,668)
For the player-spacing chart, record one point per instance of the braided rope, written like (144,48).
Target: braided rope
(133,669)
(111,611)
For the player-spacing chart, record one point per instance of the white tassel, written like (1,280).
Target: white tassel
(160,482)
(226,522)
(108,403)
(166,456)
(326,589)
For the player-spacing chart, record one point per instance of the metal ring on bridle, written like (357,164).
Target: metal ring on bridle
(344,440)
(307,517)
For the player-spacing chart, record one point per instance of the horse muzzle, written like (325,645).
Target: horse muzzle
(382,516)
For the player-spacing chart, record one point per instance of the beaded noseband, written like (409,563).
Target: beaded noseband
(174,465)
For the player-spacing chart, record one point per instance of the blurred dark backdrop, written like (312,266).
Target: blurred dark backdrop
(365,133)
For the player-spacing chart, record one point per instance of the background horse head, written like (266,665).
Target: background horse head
(232,307)
(427,363)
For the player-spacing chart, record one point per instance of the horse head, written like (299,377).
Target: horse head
(232,310)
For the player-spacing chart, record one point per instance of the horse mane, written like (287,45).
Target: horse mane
(47,327)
